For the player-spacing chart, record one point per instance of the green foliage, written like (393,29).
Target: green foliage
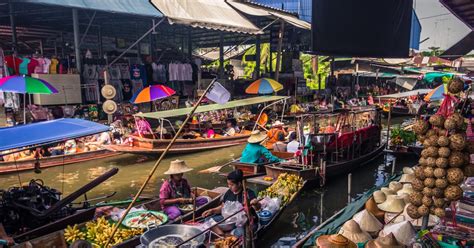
(399,136)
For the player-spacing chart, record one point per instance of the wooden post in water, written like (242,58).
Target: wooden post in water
(349,187)
(394,162)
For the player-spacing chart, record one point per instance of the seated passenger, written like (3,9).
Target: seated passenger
(70,147)
(209,132)
(277,133)
(293,145)
(230,128)
(256,153)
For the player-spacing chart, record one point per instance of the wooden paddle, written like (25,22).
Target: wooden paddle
(216,169)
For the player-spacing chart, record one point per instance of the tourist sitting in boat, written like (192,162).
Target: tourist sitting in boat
(209,132)
(231,127)
(57,150)
(70,147)
(256,153)
(143,127)
(102,139)
(235,193)
(277,133)
(293,145)
(176,190)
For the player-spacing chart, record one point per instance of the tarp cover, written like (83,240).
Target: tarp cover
(133,7)
(211,14)
(211,107)
(347,213)
(406,94)
(47,132)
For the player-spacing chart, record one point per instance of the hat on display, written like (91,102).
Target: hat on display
(388,241)
(393,204)
(109,107)
(407,178)
(395,186)
(406,189)
(177,167)
(256,137)
(371,206)
(354,233)
(367,221)
(432,221)
(379,196)
(108,91)
(403,231)
(334,241)
(387,191)
(408,170)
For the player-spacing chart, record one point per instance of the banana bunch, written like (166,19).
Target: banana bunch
(73,233)
(284,187)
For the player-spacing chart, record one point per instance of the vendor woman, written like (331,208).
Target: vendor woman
(255,152)
(235,193)
(176,190)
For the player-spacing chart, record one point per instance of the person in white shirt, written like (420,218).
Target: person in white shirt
(293,145)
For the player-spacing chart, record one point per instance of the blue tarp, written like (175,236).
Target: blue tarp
(47,132)
(132,7)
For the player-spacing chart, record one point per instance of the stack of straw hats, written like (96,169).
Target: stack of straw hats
(403,232)
(388,241)
(352,231)
(368,222)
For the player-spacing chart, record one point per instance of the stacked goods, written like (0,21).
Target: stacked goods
(98,232)
(442,160)
(284,187)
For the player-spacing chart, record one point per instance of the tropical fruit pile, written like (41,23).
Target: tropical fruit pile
(445,154)
(284,187)
(98,232)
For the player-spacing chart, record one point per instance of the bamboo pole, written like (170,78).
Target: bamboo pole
(157,163)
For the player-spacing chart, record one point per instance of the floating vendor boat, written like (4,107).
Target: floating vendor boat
(403,108)
(33,135)
(148,145)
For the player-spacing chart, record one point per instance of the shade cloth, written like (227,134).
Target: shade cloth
(211,107)
(210,14)
(406,94)
(47,132)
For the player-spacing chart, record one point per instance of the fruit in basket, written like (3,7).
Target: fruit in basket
(439,172)
(437,120)
(453,192)
(439,202)
(455,176)
(450,124)
(412,211)
(73,233)
(456,159)
(417,184)
(416,198)
(444,152)
(427,201)
(457,142)
(428,171)
(455,86)
(443,141)
(441,162)
(440,212)
(441,183)
(423,210)
(420,127)
(284,187)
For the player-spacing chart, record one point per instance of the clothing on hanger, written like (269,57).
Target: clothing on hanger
(53,68)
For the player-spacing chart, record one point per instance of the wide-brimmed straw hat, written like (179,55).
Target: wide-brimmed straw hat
(403,232)
(407,178)
(393,204)
(406,189)
(367,221)
(354,233)
(387,191)
(408,170)
(432,220)
(379,196)
(177,167)
(395,186)
(256,137)
(372,207)
(334,241)
(388,241)
(278,124)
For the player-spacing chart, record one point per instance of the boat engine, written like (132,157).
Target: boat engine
(19,206)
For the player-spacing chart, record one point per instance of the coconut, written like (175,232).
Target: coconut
(432,151)
(470,147)
(457,142)
(429,182)
(431,162)
(427,201)
(453,192)
(420,127)
(419,173)
(416,198)
(424,153)
(418,185)
(439,202)
(433,140)
(441,162)
(428,171)
(459,120)
(430,133)
(427,191)
(423,210)
(442,132)
(422,161)
(439,172)
(443,141)
(432,209)
(450,124)
(455,176)
(456,159)
(469,171)
(455,86)
(437,120)
(437,192)
(412,211)
(421,138)
(443,152)
(440,212)
(441,183)
(427,143)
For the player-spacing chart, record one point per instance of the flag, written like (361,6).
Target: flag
(218,94)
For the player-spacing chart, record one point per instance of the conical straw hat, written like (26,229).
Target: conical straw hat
(387,191)
(367,221)
(395,186)
(256,137)
(403,231)
(334,241)
(371,206)
(379,196)
(393,204)
(432,221)
(177,167)
(407,178)
(407,189)
(354,233)
(408,170)
(388,241)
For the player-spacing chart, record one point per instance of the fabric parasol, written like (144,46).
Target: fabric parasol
(24,84)
(264,86)
(437,93)
(152,93)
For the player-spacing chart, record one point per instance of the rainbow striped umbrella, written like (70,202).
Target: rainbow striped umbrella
(437,93)
(24,84)
(264,86)
(152,93)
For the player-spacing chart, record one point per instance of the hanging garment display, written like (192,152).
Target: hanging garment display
(53,68)
(13,64)
(23,68)
(138,77)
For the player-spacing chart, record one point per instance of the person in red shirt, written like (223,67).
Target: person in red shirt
(13,64)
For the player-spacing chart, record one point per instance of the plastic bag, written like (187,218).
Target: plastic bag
(230,207)
(270,204)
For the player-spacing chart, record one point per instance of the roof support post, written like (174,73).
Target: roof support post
(279,47)
(190,44)
(75,24)
(221,55)
(13,27)
(258,56)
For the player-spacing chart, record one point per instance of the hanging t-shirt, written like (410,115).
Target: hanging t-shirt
(13,64)
(53,68)
(47,64)
(32,66)
(39,68)
(63,66)
(23,69)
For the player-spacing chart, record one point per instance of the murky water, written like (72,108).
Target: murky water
(310,208)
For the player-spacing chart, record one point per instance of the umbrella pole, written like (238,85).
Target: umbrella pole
(24,108)
(157,163)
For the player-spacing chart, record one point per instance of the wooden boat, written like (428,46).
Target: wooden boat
(52,161)
(253,169)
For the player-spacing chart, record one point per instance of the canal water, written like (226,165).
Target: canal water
(310,208)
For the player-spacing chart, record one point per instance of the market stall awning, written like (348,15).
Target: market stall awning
(406,94)
(47,132)
(261,10)
(407,82)
(210,14)
(133,7)
(211,107)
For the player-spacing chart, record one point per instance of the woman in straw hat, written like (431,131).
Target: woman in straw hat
(176,190)
(277,133)
(255,153)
